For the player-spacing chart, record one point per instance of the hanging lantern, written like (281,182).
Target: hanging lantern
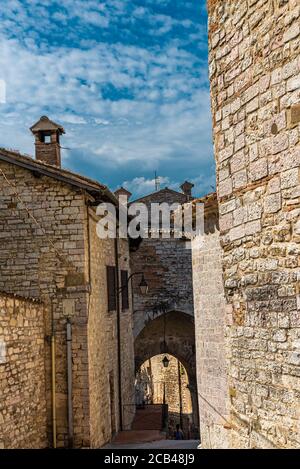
(143,286)
(165,361)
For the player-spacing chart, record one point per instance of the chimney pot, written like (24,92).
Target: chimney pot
(122,192)
(47,147)
(186,188)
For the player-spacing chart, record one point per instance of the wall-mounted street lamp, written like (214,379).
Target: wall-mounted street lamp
(143,285)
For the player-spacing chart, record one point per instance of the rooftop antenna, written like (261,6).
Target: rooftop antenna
(157,182)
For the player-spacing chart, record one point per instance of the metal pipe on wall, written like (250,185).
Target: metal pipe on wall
(53,389)
(180,392)
(119,332)
(70,388)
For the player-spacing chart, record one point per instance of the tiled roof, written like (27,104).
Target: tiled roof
(64,175)
(161,191)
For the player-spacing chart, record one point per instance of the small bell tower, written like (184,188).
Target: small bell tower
(47,135)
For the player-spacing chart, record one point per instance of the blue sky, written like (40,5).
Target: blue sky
(126,78)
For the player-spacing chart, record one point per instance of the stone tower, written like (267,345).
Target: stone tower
(47,147)
(255,96)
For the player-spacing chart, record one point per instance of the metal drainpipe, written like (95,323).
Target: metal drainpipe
(53,380)
(70,391)
(180,393)
(118,331)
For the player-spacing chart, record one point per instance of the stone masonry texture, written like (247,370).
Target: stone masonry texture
(62,263)
(22,373)
(254,71)
(209,304)
(166,264)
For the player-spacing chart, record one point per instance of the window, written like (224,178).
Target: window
(124,287)
(44,137)
(111,287)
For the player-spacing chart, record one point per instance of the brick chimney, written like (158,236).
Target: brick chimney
(47,147)
(122,192)
(186,188)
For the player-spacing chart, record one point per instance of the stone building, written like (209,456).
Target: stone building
(164,318)
(51,254)
(255,97)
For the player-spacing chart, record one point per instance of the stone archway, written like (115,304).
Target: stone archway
(157,384)
(180,342)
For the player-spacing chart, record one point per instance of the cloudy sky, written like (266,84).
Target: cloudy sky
(126,78)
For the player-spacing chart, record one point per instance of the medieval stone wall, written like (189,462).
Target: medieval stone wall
(255,90)
(102,340)
(166,264)
(209,303)
(22,374)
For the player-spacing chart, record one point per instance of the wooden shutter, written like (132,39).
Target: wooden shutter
(124,285)
(111,287)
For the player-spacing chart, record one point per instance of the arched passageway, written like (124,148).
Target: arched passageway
(172,334)
(163,379)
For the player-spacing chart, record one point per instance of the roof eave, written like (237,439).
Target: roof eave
(96,191)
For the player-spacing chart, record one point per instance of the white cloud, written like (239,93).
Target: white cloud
(165,120)
(72,119)
(2,91)
(142,186)
(101,122)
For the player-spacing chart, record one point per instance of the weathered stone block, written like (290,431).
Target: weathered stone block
(293,115)
(258,169)
(280,143)
(237,232)
(226,222)
(289,178)
(291,32)
(293,83)
(272,203)
(239,179)
(225,187)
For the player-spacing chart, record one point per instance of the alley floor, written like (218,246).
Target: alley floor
(160,444)
(148,439)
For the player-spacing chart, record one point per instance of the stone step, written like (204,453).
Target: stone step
(148,418)
(138,436)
